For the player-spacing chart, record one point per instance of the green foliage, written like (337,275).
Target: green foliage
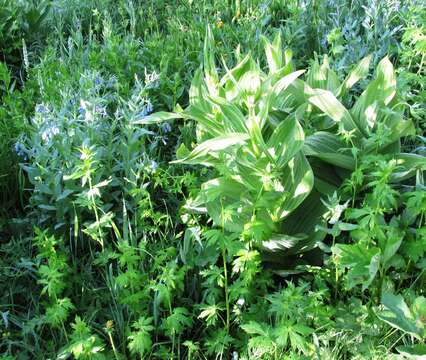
(412,57)
(21,22)
(83,345)
(264,175)
(140,341)
(409,320)
(284,218)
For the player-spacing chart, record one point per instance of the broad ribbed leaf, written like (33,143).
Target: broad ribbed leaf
(358,73)
(298,180)
(322,77)
(287,80)
(398,314)
(157,118)
(408,166)
(329,105)
(212,146)
(280,242)
(210,72)
(417,351)
(205,119)
(234,75)
(256,136)
(381,90)
(286,140)
(197,91)
(233,118)
(297,222)
(298,90)
(274,54)
(328,147)
(250,82)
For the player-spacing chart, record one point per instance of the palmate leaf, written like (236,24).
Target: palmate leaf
(361,262)
(178,321)
(57,313)
(254,328)
(227,203)
(260,341)
(391,242)
(140,340)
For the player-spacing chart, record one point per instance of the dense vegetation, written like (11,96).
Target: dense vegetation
(212,179)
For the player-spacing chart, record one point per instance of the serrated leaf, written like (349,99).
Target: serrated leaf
(253,327)
(362,263)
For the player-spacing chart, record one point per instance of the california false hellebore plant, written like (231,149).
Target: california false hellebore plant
(271,177)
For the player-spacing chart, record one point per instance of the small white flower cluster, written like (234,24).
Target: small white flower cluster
(152,80)
(49,132)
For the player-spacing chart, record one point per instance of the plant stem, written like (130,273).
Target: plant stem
(101,240)
(228,315)
(114,349)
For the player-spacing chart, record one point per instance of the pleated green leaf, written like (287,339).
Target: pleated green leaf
(297,180)
(286,140)
(158,117)
(212,147)
(328,147)
(358,73)
(330,106)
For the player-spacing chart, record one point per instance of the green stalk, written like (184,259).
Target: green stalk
(92,198)
(114,349)
(225,271)
(228,313)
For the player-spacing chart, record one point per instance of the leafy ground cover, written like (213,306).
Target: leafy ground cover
(212,179)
